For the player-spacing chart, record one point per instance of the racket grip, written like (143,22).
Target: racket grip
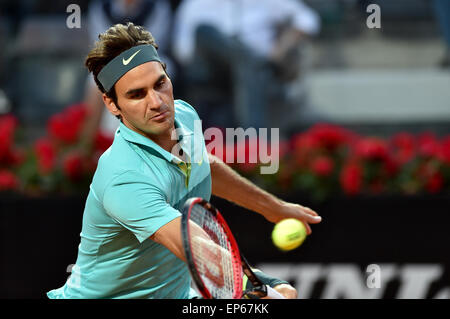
(273,294)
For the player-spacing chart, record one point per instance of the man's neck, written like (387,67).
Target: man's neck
(164,140)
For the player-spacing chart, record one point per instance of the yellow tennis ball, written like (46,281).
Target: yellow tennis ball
(288,234)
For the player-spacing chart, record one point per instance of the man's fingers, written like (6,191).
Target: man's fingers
(313,219)
(308,228)
(287,291)
(309,211)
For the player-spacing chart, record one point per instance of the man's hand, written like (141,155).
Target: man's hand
(228,184)
(286,290)
(290,210)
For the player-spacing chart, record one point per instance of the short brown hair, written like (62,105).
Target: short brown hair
(111,43)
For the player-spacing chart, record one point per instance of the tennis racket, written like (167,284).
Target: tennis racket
(215,263)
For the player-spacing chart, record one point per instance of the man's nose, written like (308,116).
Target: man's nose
(154,100)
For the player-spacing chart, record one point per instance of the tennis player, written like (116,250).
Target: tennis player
(131,244)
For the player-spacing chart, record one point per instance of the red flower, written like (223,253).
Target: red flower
(351,178)
(304,141)
(322,166)
(404,147)
(391,167)
(102,142)
(66,126)
(428,145)
(8,181)
(329,136)
(444,154)
(15,157)
(304,145)
(8,124)
(46,155)
(372,148)
(430,176)
(73,166)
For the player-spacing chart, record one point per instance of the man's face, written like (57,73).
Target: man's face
(145,97)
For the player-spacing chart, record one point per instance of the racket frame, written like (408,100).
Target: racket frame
(259,290)
(237,262)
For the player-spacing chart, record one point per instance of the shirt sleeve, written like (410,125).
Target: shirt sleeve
(137,204)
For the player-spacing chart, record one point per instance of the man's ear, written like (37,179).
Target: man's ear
(110,105)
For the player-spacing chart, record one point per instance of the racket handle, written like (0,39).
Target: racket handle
(273,294)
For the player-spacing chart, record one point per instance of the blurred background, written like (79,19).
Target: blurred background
(360,93)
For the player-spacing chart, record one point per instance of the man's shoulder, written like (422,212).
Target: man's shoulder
(115,162)
(125,159)
(184,109)
(119,155)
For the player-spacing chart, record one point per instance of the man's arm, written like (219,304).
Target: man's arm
(228,184)
(169,236)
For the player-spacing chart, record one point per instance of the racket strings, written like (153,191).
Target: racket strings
(211,251)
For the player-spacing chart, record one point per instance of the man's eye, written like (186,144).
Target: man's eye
(137,95)
(160,83)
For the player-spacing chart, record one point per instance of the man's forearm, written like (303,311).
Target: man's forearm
(228,184)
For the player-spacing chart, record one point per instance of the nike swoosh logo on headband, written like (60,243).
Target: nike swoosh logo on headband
(125,62)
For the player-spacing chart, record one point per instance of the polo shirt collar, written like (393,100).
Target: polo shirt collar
(136,138)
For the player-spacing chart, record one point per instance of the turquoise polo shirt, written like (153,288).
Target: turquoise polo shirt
(137,188)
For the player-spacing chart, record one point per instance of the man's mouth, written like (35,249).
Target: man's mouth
(160,116)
